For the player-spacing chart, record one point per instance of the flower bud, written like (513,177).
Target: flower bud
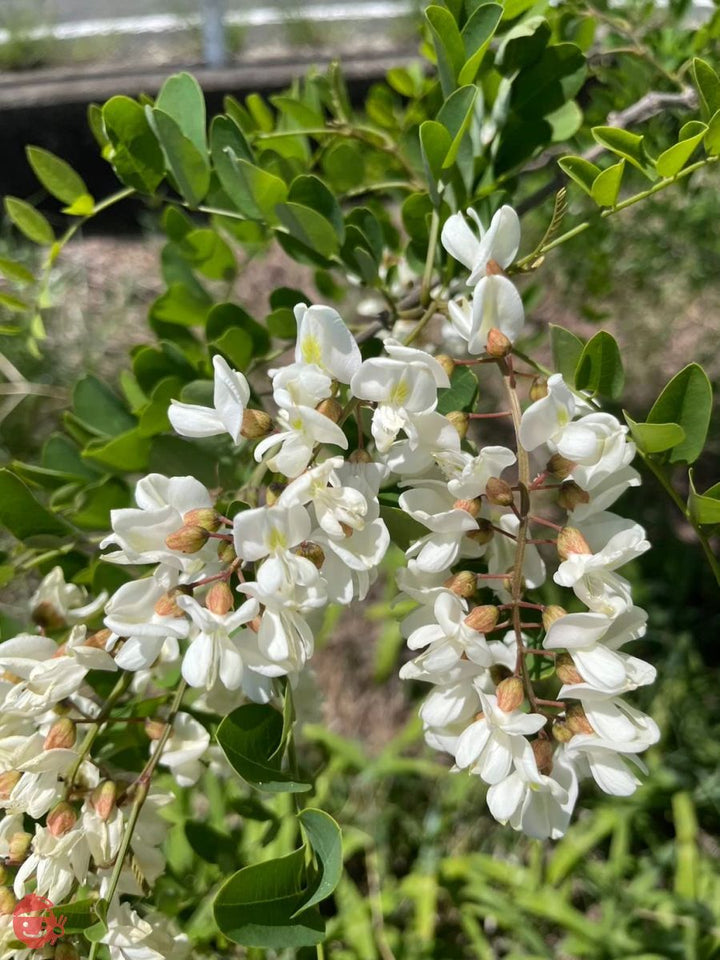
(570,541)
(561,731)
(154,729)
(331,409)
(312,552)
(559,467)
(469,506)
(255,624)
(99,639)
(460,420)
(360,456)
(187,539)
(538,389)
(19,846)
(498,344)
(576,719)
(61,736)
(167,605)
(463,584)
(61,819)
(484,532)
(272,493)
(510,694)
(103,799)
(566,669)
(493,269)
(551,614)
(499,672)
(571,495)
(255,424)
(8,901)
(45,615)
(7,782)
(220,599)
(65,951)
(483,619)
(204,517)
(4,875)
(543,750)
(446,362)
(509,582)
(226,552)
(499,492)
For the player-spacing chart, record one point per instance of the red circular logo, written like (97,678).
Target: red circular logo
(34,922)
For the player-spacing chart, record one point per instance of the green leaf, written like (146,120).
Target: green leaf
(435,143)
(565,121)
(708,86)
(566,351)
(282,324)
(29,221)
(22,514)
(226,316)
(476,36)
(78,914)
(672,160)
(16,271)
(712,137)
(687,401)
(324,837)
(179,304)
(462,392)
(96,500)
(99,409)
(606,187)
(654,437)
(12,303)
(236,346)
(182,99)
(309,227)
(189,166)
(57,176)
(249,737)
(344,165)
(253,190)
(543,87)
(631,146)
(154,413)
(402,528)
(455,115)
(126,453)
(310,191)
(523,44)
(704,508)
(449,47)
(136,154)
(208,253)
(261,905)
(600,368)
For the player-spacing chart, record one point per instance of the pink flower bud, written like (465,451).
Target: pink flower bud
(543,750)
(498,344)
(463,584)
(510,694)
(499,492)
(61,819)
(220,599)
(570,541)
(8,901)
(188,539)
(103,799)
(19,846)
(204,517)
(7,782)
(255,424)
(61,736)
(483,619)
(551,614)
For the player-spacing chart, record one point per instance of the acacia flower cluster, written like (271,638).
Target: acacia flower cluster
(230,583)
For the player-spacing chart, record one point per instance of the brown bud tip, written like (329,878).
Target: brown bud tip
(65,951)
(167,605)
(460,420)
(61,819)
(566,669)
(255,424)
(273,492)
(499,492)
(510,694)
(103,799)
(7,782)
(576,719)
(8,901)
(154,729)
(226,552)
(484,532)
(99,639)
(469,506)
(220,599)
(551,614)
(204,517)
(479,715)
(255,623)
(561,731)
(19,846)
(360,456)
(543,750)
(559,467)
(187,539)
(61,736)
(493,269)
(45,615)
(538,389)
(464,583)
(312,552)
(331,409)
(509,581)
(570,541)
(483,619)
(571,495)
(498,344)
(446,362)
(499,672)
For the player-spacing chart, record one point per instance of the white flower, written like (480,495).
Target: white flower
(398,351)
(301,429)
(399,389)
(231,394)
(270,531)
(499,242)
(433,507)
(66,601)
(430,438)
(545,419)
(188,742)
(41,783)
(131,613)
(489,745)
(598,444)
(469,475)
(300,385)
(57,862)
(325,341)
(104,835)
(129,937)
(607,762)
(538,804)
(336,507)
(604,491)
(447,638)
(496,304)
